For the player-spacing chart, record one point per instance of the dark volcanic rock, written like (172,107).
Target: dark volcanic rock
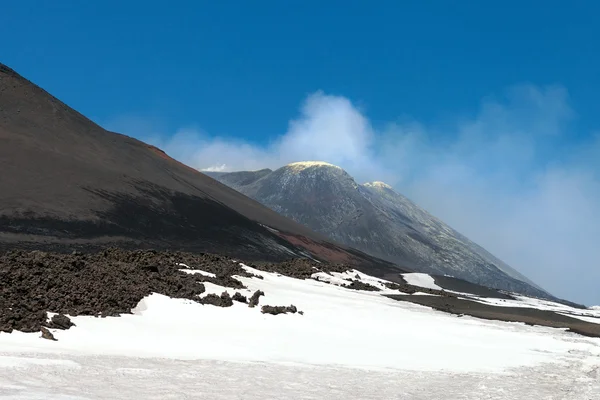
(254,299)
(275,310)
(358,285)
(224,300)
(46,334)
(113,281)
(60,321)
(108,283)
(300,268)
(239,297)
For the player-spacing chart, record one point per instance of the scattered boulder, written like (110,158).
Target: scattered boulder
(46,334)
(224,300)
(276,310)
(254,299)
(60,321)
(237,296)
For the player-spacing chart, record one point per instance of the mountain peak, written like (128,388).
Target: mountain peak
(302,165)
(376,219)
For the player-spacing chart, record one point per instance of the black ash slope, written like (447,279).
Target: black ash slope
(66,182)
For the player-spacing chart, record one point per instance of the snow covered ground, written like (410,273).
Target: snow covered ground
(348,344)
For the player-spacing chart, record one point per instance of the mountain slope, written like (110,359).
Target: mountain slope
(65,182)
(375,219)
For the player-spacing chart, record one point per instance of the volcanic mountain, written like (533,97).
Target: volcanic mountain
(374,218)
(66,183)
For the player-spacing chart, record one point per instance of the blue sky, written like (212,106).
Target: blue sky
(199,61)
(485,113)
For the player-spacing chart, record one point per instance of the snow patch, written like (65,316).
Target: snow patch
(345,278)
(198,271)
(421,280)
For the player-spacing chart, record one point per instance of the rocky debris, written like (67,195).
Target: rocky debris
(60,321)
(300,268)
(46,334)
(254,298)
(301,312)
(112,282)
(237,296)
(18,315)
(224,300)
(276,310)
(107,283)
(359,285)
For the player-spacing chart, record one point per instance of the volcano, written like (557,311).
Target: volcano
(66,183)
(374,218)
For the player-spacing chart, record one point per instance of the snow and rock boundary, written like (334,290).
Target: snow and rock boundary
(113,282)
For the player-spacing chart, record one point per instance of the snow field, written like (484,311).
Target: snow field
(348,344)
(340,327)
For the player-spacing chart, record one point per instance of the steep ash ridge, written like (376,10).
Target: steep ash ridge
(66,182)
(375,219)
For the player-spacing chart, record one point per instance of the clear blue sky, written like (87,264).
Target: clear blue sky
(201,62)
